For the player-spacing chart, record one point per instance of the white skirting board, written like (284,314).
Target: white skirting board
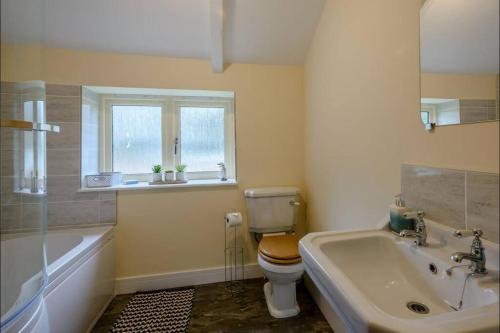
(133,284)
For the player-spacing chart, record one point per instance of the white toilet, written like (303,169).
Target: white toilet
(272,211)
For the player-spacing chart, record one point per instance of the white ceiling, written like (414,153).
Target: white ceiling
(255,31)
(460,36)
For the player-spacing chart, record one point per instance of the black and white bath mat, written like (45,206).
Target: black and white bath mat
(155,312)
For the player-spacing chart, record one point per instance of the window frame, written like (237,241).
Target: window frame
(428,116)
(431,110)
(229,145)
(170,131)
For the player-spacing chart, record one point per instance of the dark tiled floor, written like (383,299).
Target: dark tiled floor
(215,309)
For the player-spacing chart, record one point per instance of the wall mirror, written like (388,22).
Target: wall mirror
(459,62)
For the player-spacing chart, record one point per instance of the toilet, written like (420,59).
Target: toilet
(272,215)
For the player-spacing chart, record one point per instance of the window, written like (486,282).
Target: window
(34,142)
(425,116)
(141,131)
(137,140)
(202,137)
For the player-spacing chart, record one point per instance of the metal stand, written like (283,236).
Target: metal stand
(234,261)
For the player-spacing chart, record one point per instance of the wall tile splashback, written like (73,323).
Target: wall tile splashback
(483,203)
(477,110)
(66,205)
(456,198)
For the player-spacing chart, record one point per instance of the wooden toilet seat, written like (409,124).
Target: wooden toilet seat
(280,250)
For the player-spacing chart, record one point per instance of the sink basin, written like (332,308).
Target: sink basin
(376,281)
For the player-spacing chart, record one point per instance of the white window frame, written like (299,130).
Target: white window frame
(432,111)
(170,131)
(229,146)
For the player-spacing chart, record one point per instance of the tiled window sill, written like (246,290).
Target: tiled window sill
(145,185)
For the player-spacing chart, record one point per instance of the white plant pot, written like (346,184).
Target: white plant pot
(156,177)
(169,176)
(180,176)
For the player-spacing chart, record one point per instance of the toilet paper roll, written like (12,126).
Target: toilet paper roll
(233,219)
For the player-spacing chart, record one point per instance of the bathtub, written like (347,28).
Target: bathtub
(79,283)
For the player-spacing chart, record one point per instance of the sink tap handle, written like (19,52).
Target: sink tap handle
(467,233)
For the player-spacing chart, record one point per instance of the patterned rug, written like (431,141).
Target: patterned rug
(154,312)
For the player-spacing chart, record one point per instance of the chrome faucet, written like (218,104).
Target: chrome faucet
(476,255)
(420,231)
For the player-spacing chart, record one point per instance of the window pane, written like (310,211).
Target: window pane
(136,138)
(28,144)
(202,137)
(425,116)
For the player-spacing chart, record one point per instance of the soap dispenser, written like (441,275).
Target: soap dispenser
(397,221)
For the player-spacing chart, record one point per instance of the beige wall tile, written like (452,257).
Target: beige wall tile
(440,193)
(107,195)
(9,138)
(63,109)
(62,90)
(10,165)
(8,87)
(9,104)
(483,203)
(107,212)
(73,213)
(8,196)
(68,137)
(63,162)
(32,216)
(65,188)
(11,217)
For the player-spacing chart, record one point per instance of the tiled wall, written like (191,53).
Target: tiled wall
(18,209)
(456,198)
(498,96)
(477,110)
(67,206)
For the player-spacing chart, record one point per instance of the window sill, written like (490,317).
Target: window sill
(145,185)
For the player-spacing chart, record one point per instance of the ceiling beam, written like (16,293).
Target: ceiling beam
(216,35)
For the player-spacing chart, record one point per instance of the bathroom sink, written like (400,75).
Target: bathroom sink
(376,281)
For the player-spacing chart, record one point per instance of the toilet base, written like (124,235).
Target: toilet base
(288,311)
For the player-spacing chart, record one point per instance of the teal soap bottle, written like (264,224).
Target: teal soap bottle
(397,222)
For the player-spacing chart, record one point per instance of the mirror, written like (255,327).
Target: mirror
(459,62)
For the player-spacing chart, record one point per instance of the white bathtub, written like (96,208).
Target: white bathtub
(80,282)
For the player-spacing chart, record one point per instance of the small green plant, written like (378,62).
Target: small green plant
(169,171)
(156,168)
(181,167)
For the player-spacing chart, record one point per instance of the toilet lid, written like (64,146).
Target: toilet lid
(283,247)
(280,261)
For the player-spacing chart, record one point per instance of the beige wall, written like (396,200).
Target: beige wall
(163,231)
(362,121)
(21,62)
(459,86)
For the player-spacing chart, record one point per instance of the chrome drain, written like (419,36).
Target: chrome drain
(417,307)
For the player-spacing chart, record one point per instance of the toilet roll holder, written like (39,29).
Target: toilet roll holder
(234,260)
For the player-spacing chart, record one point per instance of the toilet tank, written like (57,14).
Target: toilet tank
(272,209)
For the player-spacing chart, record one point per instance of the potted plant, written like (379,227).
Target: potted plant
(156,173)
(180,175)
(169,175)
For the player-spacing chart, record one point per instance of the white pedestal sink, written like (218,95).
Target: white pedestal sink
(376,281)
